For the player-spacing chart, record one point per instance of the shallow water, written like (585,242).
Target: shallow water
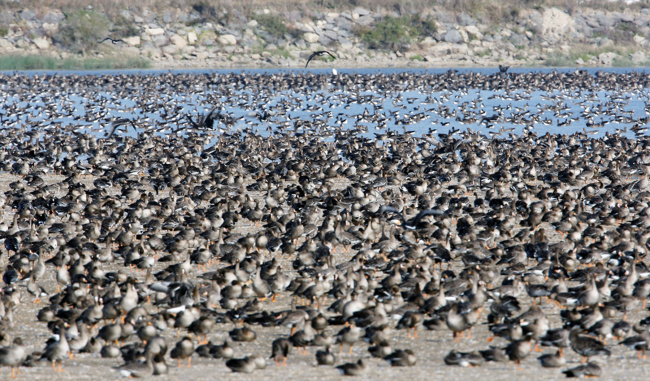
(436,112)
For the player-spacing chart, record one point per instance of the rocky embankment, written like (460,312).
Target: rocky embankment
(188,39)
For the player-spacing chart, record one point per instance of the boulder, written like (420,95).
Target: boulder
(168,17)
(191,38)
(464,35)
(361,11)
(638,58)
(332,35)
(27,15)
(160,40)
(556,22)
(5,44)
(41,43)
(154,31)
(178,41)
(53,17)
(133,41)
(170,49)
(365,20)
(50,28)
(473,30)
(440,49)
(607,58)
(465,20)
(227,39)
(453,37)
(310,37)
(639,40)
(428,41)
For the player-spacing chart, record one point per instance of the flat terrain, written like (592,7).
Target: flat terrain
(430,347)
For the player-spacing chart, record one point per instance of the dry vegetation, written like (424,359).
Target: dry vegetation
(487,10)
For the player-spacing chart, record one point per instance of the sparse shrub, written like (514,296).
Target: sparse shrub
(389,33)
(82,30)
(4,31)
(272,24)
(123,27)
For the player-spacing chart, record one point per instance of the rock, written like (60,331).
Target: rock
(465,20)
(506,33)
(555,21)
(453,37)
(41,43)
(310,37)
(191,38)
(27,15)
(160,40)
(431,59)
(605,22)
(345,43)
(227,39)
(133,41)
(464,35)
(361,11)
(139,20)
(473,30)
(170,49)
(343,23)
(639,40)
(640,22)
(201,55)
(6,17)
(638,58)
(168,17)
(324,40)
(428,41)
(207,42)
(365,20)
(154,31)
(580,61)
(607,58)
(270,47)
(440,49)
(252,24)
(255,56)
(178,41)
(5,44)
(300,44)
(332,35)
(53,17)
(50,29)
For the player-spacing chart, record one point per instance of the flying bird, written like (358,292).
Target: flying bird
(112,40)
(318,53)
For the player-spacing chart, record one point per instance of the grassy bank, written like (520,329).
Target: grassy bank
(586,53)
(36,62)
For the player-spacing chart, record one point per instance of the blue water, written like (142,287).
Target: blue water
(340,109)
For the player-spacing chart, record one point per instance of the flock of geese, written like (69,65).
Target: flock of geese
(145,246)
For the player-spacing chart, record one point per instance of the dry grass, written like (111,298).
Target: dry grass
(489,10)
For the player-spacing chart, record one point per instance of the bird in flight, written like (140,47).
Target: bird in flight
(318,53)
(112,40)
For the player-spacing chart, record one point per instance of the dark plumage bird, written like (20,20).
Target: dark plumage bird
(113,40)
(246,364)
(280,349)
(586,370)
(353,368)
(325,357)
(318,54)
